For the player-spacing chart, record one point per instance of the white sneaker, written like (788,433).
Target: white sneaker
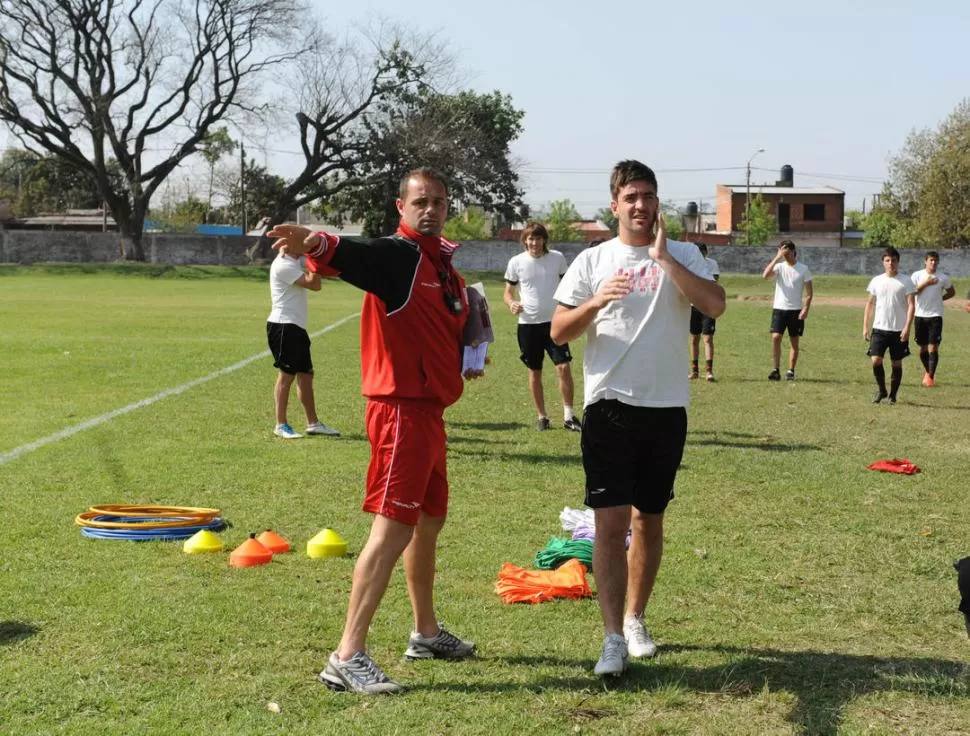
(638,639)
(286,432)
(613,660)
(321,428)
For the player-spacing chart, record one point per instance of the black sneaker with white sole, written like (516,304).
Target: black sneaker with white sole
(774,375)
(573,425)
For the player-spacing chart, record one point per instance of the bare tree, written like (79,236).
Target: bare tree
(334,91)
(140,82)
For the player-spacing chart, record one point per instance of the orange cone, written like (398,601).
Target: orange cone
(250,553)
(273,542)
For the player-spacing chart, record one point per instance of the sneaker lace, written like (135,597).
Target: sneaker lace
(366,669)
(638,633)
(446,639)
(613,647)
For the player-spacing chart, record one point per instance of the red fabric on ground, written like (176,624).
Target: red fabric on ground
(896,465)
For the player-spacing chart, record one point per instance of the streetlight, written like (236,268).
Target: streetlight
(747,201)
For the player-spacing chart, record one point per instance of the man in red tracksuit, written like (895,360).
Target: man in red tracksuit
(412,320)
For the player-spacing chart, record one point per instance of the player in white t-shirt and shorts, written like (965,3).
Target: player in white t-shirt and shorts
(789,309)
(701,324)
(933,287)
(536,272)
(290,344)
(890,308)
(631,297)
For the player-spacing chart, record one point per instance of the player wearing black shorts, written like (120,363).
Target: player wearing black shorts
(790,307)
(933,287)
(889,311)
(702,325)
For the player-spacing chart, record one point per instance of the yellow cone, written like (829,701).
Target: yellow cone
(202,541)
(326,544)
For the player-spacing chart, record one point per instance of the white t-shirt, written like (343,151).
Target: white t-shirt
(537,279)
(789,282)
(289,301)
(929,301)
(633,348)
(712,266)
(891,306)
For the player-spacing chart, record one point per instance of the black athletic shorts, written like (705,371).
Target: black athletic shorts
(929,330)
(881,340)
(534,340)
(290,346)
(787,319)
(700,323)
(631,454)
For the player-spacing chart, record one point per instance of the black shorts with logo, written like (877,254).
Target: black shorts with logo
(631,454)
(881,340)
(929,330)
(700,323)
(534,341)
(787,319)
(290,346)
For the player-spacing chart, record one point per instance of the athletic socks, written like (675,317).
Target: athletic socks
(709,364)
(879,371)
(567,413)
(895,380)
(931,362)
(924,358)
(693,366)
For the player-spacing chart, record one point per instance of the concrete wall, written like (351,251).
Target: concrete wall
(20,246)
(493,256)
(29,246)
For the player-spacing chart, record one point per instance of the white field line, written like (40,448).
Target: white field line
(88,424)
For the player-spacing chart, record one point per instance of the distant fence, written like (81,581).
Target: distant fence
(25,246)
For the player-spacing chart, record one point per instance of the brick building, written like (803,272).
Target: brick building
(808,215)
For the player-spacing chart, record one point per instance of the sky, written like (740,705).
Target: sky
(831,88)
(692,89)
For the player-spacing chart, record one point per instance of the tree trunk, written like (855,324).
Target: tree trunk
(260,251)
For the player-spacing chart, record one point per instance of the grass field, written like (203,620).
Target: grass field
(800,592)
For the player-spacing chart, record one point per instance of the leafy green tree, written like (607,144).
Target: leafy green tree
(183,217)
(672,220)
(34,184)
(213,147)
(559,220)
(470,225)
(606,216)
(759,224)
(465,136)
(263,194)
(929,184)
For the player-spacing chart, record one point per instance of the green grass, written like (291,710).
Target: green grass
(800,592)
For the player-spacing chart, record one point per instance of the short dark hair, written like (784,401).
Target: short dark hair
(629,170)
(788,245)
(891,252)
(931,254)
(702,248)
(422,172)
(538,230)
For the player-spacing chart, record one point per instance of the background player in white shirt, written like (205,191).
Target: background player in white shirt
(892,303)
(933,287)
(631,297)
(789,310)
(289,342)
(701,324)
(536,272)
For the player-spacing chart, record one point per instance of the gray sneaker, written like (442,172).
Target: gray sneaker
(613,661)
(321,428)
(638,640)
(443,645)
(359,674)
(542,424)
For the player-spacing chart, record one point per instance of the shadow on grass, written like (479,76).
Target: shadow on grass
(528,457)
(490,426)
(822,683)
(13,631)
(765,445)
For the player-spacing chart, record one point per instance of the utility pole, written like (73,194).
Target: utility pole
(242,186)
(747,200)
